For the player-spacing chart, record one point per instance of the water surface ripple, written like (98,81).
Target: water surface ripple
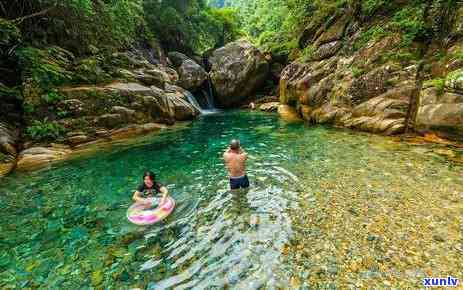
(65,227)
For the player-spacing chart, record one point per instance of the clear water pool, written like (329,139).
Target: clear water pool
(328,208)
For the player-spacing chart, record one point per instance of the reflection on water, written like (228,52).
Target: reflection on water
(318,203)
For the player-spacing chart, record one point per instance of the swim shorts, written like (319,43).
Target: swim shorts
(239,182)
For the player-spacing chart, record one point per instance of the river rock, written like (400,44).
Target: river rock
(35,157)
(333,32)
(8,142)
(269,107)
(130,89)
(306,112)
(191,75)
(123,103)
(135,130)
(170,106)
(126,113)
(288,113)
(445,119)
(78,139)
(177,58)
(73,107)
(152,77)
(181,108)
(109,120)
(238,69)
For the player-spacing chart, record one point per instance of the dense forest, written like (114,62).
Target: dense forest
(30,29)
(88,27)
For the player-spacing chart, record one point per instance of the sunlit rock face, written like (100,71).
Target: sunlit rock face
(441,111)
(327,92)
(191,74)
(238,69)
(377,84)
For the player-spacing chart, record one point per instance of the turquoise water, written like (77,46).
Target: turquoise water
(313,190)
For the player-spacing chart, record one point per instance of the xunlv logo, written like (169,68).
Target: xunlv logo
(439,282)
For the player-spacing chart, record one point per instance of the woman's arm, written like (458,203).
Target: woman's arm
(137,197)
(165,193)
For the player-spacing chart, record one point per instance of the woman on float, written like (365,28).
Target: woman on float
(150,191)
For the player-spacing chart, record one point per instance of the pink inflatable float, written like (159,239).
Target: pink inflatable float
(143,214)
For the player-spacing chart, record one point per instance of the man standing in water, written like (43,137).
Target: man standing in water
(235,160)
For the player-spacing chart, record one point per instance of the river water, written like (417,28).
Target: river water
(327,208)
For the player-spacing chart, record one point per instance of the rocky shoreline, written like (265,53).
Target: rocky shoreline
(144,96)
(380,86)
(35,158)
(148,96)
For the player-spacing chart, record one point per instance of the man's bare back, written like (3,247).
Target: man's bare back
(236,162)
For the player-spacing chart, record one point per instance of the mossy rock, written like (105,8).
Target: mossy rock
(96,100)
(45,68)
(454,80)
(9,32)
(90,71)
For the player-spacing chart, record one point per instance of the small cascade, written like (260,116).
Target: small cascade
(207,98)
(209,86)
(193,101)
(208,93)
(203,99)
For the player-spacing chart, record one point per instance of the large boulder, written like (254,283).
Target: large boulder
(8,140)
(177,58)
(289,113)
(441,111)
(35,157)
(191,74)
(238,69)
(170,105)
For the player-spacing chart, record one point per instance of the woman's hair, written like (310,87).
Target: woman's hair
(150,174)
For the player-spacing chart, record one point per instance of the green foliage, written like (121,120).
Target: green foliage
(52,97)
(44,130)
(190,26)
(438,83)
(455,75)
(7,93)
(370,7)
(47,68)
(410,21)
(9,33)
(307,53)
(401,56)
(457,55)
(93,70)
(356,72)
(77,25)
(276,43)
(373,33)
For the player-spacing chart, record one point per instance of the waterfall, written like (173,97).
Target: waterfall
(209,96)
(209,102)
(211,91)
(193,101)
(202,99)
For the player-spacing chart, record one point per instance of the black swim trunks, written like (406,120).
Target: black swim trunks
(239,182)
